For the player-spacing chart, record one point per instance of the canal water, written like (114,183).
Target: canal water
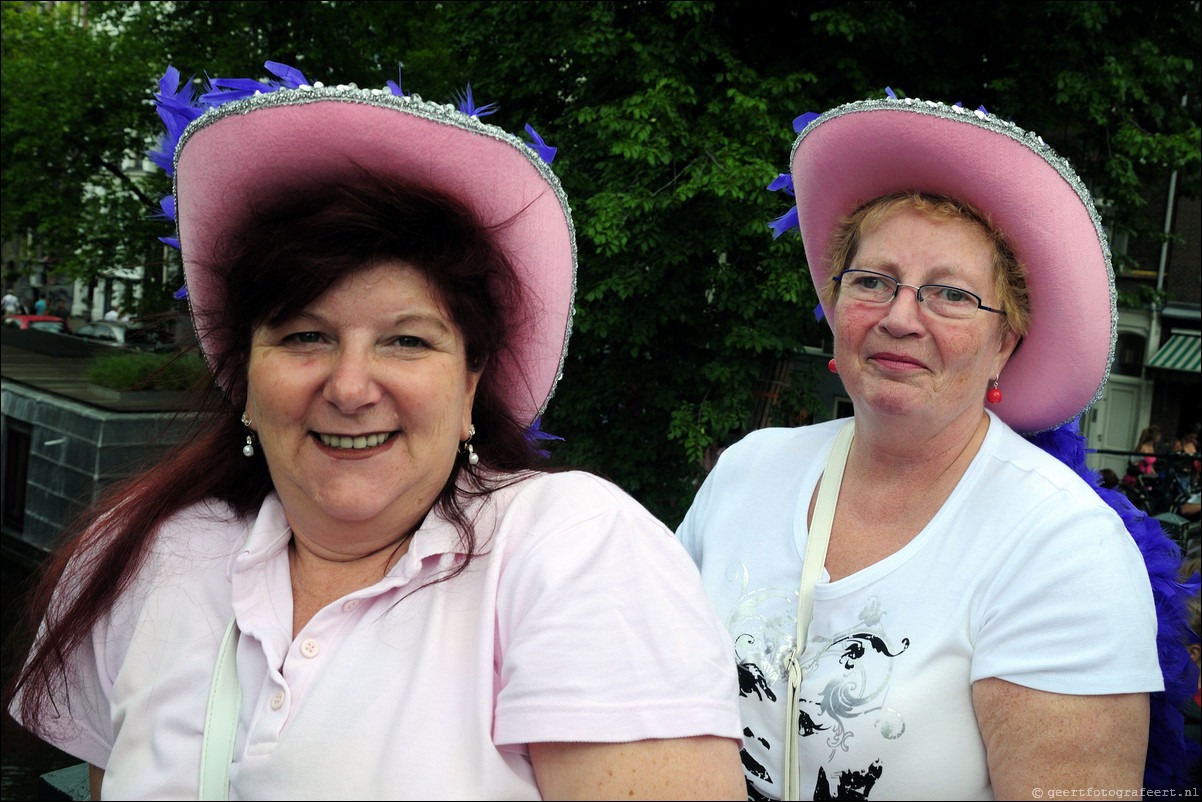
(23,758)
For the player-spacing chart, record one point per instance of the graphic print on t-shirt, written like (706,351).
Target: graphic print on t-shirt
(845,685)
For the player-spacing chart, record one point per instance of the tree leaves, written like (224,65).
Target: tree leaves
(670,120)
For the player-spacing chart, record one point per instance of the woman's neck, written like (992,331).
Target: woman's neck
(320,578)
(888,451)
(890,491)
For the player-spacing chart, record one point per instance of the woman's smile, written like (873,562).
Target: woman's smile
(354,442)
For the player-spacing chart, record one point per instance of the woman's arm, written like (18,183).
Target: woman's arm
(95,779)
(1039,740)
(704,767)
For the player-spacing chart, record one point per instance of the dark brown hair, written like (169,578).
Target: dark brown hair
(285,258)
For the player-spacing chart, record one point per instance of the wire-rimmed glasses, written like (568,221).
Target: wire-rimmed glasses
(941,299)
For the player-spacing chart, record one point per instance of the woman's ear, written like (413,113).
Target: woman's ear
(473,381)
(1005,350)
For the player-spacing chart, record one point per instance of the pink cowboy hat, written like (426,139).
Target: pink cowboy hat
(860,151)
(235,155)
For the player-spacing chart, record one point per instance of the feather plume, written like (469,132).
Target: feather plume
(290,77)
(783,223)
(800,123)
(468,106)
(783,183)
(535,435)
(227,90)
(545,151)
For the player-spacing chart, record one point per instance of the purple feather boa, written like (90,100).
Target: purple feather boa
(1166,765)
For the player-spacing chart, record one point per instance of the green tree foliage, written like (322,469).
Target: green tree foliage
(671,119)
(74,122)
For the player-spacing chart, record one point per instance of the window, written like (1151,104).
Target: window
(1129,354)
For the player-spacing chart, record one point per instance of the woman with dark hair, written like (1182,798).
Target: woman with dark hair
(356,582)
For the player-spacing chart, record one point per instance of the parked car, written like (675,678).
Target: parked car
(37,322)
(127,335)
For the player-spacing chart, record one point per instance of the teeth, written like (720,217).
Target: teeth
(362,441)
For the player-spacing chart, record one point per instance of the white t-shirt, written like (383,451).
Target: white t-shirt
(581,620)
(1024,574)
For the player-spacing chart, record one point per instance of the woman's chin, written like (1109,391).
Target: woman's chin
(894,399)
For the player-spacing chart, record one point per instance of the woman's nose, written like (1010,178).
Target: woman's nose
(904,314)
(352,383)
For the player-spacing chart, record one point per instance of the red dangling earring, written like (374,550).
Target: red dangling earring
(994,395)
(832,366)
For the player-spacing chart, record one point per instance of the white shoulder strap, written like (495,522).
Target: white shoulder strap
(221,720)
(811,570)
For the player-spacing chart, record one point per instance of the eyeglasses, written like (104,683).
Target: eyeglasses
(940,299)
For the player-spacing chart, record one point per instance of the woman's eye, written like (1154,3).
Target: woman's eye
(867,282)
(407,341)
(953,295)
(304,337)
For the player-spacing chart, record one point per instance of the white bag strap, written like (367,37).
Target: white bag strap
(811,570)
(221,720)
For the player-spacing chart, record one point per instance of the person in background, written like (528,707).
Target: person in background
(39,306)
(1110,479)
(358,581)
(964,273)
(1149,443)
(10,303)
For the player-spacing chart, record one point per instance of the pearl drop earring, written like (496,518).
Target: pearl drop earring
(248,450)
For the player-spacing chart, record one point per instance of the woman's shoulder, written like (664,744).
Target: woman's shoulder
(1020,458)
(207,529)
(571,493)
(563,509)
(770,445)
(1031,491)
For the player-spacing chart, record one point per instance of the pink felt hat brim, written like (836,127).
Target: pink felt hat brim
(241,154)
(862,151)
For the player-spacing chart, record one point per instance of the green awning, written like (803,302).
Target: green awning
(1183,351)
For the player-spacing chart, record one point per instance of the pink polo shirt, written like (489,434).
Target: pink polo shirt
(582,620)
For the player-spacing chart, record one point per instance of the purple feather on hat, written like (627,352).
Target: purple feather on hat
(290,77)
(166,207)
(227,90)
(467,104)
(545,151)
(783,223)
(177,109)
(783,183)
(534,434)
(395,86)
(800,122)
